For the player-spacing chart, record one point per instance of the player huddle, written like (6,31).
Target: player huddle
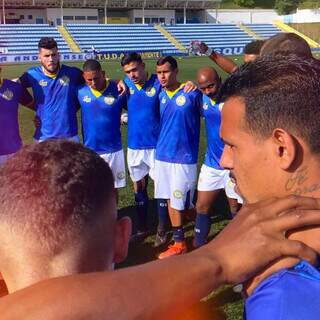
(163,131)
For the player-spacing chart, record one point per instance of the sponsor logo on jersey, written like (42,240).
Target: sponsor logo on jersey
(109,99)
(178,194)
(121,175)
(86,99)
(64,81)
(205,106)
(131,91)
(181,100)
(150,91)
(43,83)
(7,95)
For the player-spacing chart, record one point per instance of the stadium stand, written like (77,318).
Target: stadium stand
(123,37)
(214,35)
(265,31)
(23,38)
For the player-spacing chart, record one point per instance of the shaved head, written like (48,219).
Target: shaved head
(209,81)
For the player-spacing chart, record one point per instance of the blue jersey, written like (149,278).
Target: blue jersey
(100,114)
(179,126)
(143,113)
(11,94)
(56,101)
(290,294)
(211,112)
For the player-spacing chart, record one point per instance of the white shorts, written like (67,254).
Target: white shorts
(230,191)
(211,179)
(74,139)
(140,163)
(116,163)
(176,182)
(4,158)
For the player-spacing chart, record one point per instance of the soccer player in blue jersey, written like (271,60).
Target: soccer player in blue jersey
(11,94)
(54,88)
(143,131)
(212,177)
(177,149)
(270,126)
(101,107)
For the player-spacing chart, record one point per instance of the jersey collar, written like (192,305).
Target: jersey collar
(170,94)
(98,93)
(52,76)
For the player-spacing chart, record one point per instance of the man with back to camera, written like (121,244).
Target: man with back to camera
(177,149)
(101,107)
(272,149)
(212,177)
(74,230)
(54,88)
(11,94)
(58,214)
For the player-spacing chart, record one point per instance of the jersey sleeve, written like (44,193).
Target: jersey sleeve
(25,80)
(25,97)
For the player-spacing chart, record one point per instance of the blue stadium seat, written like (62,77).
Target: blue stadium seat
(24,38)
(264,30)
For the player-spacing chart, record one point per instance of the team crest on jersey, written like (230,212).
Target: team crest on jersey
(205,106)
(121,175)
(163,100)
(7,95)
(64,81)
(43,83)
(131,91)
(178,194)
(150,91)
(87,99)
(181,100)
(109,99)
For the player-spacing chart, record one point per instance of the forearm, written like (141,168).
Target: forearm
(149,291)
(223,62)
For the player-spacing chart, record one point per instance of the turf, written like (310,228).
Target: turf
(222,304)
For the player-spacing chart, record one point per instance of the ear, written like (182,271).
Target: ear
(122,235)
(286,148)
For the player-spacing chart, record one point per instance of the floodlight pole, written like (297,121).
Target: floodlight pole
(143,5)
(185,12)
(105,12)
(61,11)
(4,12)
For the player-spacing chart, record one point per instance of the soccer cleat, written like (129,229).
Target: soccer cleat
(138,236)
(174,250)
(160,239)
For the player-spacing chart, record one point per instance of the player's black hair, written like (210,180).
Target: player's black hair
(168,59)
(279,92)
(47,43)
(131,57)
(91,65)
(54,191)
(286,43)
(253,47)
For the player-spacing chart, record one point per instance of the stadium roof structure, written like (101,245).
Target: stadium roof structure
(113,4)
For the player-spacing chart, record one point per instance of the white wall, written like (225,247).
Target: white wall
(54,14)
(168,15)
(242,16)
(302,16)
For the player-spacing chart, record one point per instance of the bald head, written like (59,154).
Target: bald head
(209,81)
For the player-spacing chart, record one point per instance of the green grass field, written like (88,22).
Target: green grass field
(223,304)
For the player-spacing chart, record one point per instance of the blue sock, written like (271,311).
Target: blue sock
(141,199)
(201,229)
(163,214)
(178,234)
